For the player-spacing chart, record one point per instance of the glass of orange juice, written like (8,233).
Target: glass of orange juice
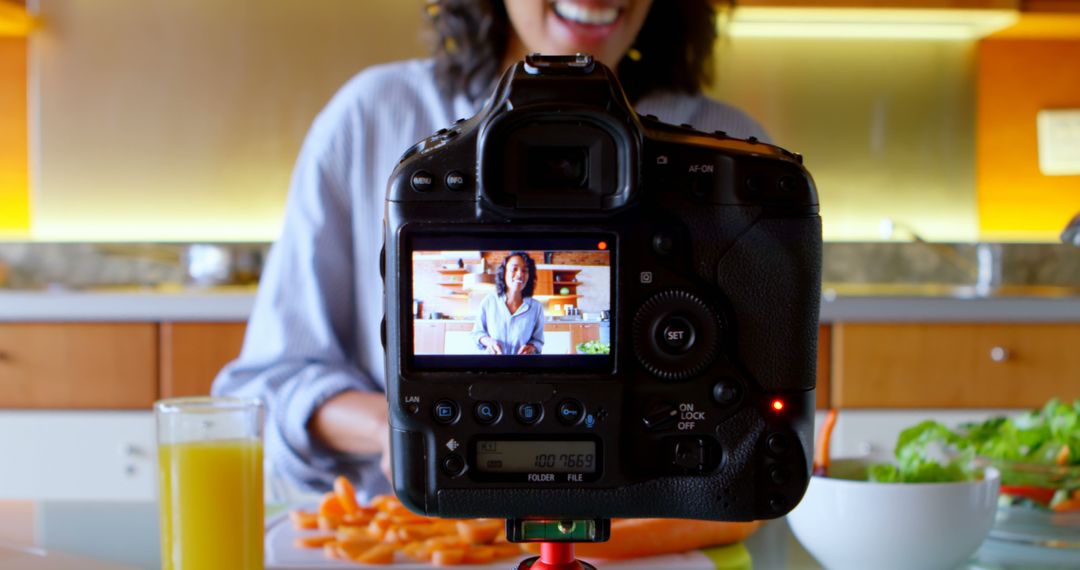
(210,483)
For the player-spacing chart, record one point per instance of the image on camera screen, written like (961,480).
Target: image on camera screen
(512,298)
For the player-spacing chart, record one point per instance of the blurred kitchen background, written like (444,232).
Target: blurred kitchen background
(146,148)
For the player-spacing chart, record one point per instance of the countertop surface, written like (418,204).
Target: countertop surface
(236,304)
(125,535)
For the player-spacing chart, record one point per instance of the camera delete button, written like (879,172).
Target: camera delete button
(422,181)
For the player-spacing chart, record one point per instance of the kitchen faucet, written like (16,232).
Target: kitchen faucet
(985,272)
(1071,234)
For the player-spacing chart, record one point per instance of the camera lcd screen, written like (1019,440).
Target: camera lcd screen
(500,456)
(512,301)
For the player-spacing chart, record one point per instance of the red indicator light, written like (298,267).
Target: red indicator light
(778,405)
(601,246)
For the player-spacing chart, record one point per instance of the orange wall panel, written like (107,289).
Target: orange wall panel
(14,169)
(1018,77)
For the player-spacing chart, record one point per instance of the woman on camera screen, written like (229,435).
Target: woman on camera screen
(312,351)
(510,320)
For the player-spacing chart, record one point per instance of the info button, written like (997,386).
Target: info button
(675,335)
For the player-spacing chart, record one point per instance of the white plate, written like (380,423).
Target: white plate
(281,554)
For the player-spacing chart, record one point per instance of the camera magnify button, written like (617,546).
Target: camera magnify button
(487,412)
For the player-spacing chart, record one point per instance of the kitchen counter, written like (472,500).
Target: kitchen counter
(187,305)
(127,533)
(224,304)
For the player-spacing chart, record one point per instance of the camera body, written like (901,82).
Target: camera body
(700,255)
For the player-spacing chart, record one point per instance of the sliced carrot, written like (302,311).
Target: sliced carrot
(378,554)
(332,550)
(632,538)
(1067,506)
(479,555)
(330,506)
(480,531)
(328,522)
(1063,455)
(821,454)
(313,540)
(506,550)
(304,520)
(355,534)
(448,556)
(346,495)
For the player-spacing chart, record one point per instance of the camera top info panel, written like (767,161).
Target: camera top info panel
(593,314)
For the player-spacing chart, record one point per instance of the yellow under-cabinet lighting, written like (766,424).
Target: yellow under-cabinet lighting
(868,24)
(15,20)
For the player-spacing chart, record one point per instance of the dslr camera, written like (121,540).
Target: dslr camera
(593,314)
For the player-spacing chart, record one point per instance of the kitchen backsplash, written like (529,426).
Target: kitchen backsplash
(36,265)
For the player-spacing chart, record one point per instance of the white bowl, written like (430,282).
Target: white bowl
(849,524)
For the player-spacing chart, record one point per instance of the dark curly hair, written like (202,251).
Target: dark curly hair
(674,48)
(500,274)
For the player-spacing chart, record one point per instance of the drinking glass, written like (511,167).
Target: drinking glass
(210,483)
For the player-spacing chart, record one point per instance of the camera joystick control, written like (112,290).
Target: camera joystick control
(676,335)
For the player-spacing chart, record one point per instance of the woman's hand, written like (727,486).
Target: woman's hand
(527,349)
(491,345)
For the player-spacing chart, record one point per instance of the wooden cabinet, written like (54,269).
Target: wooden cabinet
(824,372)
(78,365)
(78,455)
(983,365)
(551,284)
(193,353)
(583,332)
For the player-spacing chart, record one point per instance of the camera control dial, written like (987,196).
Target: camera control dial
(675,335)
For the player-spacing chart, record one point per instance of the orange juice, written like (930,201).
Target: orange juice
(211,505)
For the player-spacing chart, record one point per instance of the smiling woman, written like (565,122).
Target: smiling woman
(672,51)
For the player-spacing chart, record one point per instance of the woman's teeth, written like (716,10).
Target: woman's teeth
(586,15)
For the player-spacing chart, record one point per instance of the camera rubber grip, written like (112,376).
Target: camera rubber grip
(772,276)
(409,463)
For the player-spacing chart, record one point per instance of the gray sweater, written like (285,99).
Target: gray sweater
(314,330)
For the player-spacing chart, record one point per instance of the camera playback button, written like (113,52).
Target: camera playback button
(487,413)
(570,412)
(446,412)
(422,181)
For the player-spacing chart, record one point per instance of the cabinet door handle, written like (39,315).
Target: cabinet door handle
(999,354)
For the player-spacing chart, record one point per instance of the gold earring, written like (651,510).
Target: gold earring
(633,54)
